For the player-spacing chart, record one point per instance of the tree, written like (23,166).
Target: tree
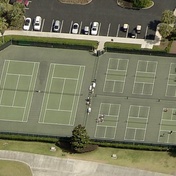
(168,17)
(3,27)
(165,30)
(141,3)
(80,138)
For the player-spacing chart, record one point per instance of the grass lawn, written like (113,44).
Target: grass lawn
(14,168)
(146,160)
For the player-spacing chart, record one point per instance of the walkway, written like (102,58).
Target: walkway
(101,39)
(52,166)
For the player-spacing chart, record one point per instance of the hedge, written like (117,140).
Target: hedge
(51,42)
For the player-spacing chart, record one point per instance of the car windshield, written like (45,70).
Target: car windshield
(56,27)
(27,22)
(75,26)
(94,29)
(36,24)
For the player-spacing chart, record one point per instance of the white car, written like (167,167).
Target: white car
(138,29)
(86,30)
(125,27)
(37,23)
(75,28)
(27,24)
(94,29)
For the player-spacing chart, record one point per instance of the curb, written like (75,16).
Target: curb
(74,3)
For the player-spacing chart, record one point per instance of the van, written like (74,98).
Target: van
(37,23)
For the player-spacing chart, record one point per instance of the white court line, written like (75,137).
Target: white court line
(21,61)
(7,106)
(74,96)
(114,80)
(3,72)
(125,76)
(79,93)
(75,79)
(113,86)
(147,122)
(18,74)
(15,90)
(57,110)
(105,132)
(106,76)
(30,89)
(8,62)
(60,101)
(160,125)
(127,122)
(168,80)
(34,84)
(49,92)
(46,96)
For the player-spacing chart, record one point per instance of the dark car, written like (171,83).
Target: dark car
(133,33)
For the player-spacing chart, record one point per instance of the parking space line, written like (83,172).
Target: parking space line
(146,32)
(118,29)
(52,25)
(127,32)
(71,27)
(61,26)
(80,27)
(43,22)
(108,29)
(99,29)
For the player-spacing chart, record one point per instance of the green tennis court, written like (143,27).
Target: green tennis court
(62,94)
(17,87)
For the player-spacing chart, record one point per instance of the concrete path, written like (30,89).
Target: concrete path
(101,39)
(52,166)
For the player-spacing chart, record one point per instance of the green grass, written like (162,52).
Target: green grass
(14,168)
(146,160)
(122,45)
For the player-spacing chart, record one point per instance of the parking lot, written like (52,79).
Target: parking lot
(111,17)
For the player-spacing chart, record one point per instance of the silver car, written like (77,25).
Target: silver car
(56,26)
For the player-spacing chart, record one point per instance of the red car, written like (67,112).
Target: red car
(25,2)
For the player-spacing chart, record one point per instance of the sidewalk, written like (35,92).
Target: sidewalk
(52,166)
(101,39)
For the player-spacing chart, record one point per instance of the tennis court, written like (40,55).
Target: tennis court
(115,75)
(61,95)
(49,89)
(17,87)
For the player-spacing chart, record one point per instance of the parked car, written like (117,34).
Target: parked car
(27,24)
(86,30)
(75,28)
(94,29)
(25,2)
(133,33)
(125,27)
(138,29)
(56,26)
(37,23)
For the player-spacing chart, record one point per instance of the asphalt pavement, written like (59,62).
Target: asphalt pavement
(110,16)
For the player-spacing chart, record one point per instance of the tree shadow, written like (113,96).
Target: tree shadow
(64,145)
(153,24)
(172,151)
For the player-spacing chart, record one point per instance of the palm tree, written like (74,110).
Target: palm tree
(3,27)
